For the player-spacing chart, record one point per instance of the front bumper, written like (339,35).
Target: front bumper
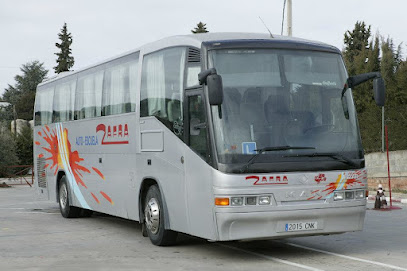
(271,224)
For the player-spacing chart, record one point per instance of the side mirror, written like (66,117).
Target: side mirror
(379,91)
(215,89)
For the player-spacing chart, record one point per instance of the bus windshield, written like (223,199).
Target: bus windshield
(275,98)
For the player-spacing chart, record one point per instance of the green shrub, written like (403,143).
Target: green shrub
(8,156)
(24,144)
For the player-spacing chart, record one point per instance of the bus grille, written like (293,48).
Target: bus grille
(194,55)
(41,175)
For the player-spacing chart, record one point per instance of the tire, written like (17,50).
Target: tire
(67,210)
(144,229)
(154,219)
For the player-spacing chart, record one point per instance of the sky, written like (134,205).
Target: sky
(104,28)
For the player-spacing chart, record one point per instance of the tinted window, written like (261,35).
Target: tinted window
(88,98)
(64,101)
(120,87)
(162,87)
(43,106)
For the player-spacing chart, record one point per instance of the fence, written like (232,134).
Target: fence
(20,175)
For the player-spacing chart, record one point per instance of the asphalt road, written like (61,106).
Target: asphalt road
(34,236)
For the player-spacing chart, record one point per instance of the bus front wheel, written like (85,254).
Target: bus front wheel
(154,219)
(67,211)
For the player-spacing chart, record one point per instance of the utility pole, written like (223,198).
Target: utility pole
(382,128)
(289,18)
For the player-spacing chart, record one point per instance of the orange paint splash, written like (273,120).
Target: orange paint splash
(52,148)
(54,157)
(106,197)
(95,198)
(330,188)
(74,161)
(98,172)
(350,182)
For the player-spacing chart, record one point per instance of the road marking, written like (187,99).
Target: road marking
(347,257)
(274,259)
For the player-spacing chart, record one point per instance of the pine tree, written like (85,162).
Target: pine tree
(355,42)
(65,59)
(380,54)
(200,28)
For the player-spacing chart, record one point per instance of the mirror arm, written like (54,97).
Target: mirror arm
(204,74)
(353,81)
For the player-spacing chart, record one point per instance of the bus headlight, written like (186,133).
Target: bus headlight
(236,201)
(251,200)
(338,195)
(264,200)
(349,195)
(359,194)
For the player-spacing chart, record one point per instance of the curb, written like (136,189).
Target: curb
(403,201)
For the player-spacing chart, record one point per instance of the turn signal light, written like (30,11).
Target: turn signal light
(222,201)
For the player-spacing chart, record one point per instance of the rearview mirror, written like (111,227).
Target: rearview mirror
(215,89)
(379,91)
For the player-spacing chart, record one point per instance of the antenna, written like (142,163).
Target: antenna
(271,35)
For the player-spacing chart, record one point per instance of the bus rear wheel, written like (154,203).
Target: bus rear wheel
(154,219)
(67,211)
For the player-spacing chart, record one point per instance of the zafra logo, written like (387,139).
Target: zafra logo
(267,180)
(114,134)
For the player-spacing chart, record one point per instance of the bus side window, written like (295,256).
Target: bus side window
(88,97)
(197,126)
(43,106)
(64,101)
(120,86)
(162,88)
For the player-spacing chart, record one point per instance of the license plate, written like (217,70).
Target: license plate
(301,226)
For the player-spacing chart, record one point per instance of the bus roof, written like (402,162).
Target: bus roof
(196,40)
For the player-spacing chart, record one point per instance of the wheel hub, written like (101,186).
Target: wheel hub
(152,215)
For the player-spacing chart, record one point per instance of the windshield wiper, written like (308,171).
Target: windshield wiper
(278,148)
(336,156)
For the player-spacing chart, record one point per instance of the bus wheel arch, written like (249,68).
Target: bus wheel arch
(149,187)
(64,199)
(60,174)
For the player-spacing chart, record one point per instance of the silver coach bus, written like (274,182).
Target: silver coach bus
(224,136)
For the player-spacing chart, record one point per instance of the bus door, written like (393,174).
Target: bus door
(197,170)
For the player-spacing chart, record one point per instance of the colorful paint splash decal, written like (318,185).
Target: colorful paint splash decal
(95,198)
(59,155)
(98,172)
(106,197)
(343,181)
